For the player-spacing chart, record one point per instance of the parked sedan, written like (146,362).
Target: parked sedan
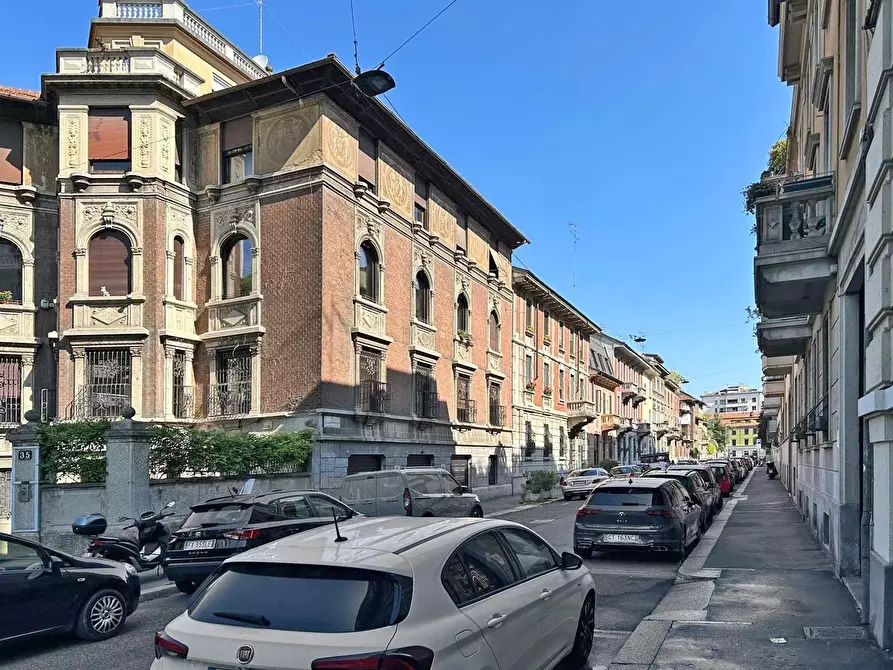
(47,591)
(731,470)
(626,471)
(647,514)
(390,592)
(583,482)
(222,527)
(697,489)
(710,477)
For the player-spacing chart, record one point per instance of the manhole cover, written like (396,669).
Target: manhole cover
(835,633)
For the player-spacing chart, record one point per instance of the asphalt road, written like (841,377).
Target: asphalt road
(628,589)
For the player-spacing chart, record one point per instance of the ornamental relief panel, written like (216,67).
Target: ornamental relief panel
(462,352)
(108,316)
(73,147)
(179,220)
(442,213)
(234,316)
(396,182)
(167,143)
(230,219)
(107,212)
(478,244)
(369,319)
(494,362)
(141,142)
(11,324)
(288,139)
(367,225)
(423,337)
(420,259)
(41,156)
(340,148)
(209,145)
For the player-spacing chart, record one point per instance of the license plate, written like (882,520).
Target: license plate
(198,544)
(622,538)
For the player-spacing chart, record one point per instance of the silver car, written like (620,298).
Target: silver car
(409,492)
(583,482)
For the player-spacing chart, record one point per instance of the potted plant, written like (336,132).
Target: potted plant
(5,296)
(531,386)
(547,340)
(547,390)
(529,331)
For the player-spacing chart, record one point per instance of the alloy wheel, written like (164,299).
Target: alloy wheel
(586,628)
(106,614)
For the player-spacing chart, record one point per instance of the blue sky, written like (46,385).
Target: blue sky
(641,122)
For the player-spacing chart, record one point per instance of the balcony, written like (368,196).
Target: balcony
(133,60)
(778,365)
(229,399)
(100,401)
(773,386)
(791,15)
(792,267)
(579,413)
(632,392)
(426,404)
(787,336)
(374,397)
(183,402)
(467,411)
(497,415)
(643,427)
(609,422)
(164,11)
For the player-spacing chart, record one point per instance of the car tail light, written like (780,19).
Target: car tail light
(245,534)
(407,658)
(407,502)
(665,513)
(584,511)
(562,482)
(168,646)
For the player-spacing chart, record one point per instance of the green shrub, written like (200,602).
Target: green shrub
(541,481)
(608,463)
(73,450)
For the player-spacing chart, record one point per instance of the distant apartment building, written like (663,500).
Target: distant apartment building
(733,399)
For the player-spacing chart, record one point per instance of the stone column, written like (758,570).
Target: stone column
(25,493)
(27,376)
(127,465)
(848,434)
(168,381)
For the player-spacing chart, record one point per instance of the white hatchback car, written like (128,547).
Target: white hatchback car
(394,593)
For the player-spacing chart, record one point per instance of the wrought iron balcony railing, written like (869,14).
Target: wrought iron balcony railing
(426,404)
(497,415)
(229,399)
(467,411)
(184,402)
(100,401)
(374,397)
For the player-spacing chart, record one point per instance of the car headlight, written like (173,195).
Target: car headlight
(129,569)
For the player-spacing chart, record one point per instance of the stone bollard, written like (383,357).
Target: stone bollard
(127,468)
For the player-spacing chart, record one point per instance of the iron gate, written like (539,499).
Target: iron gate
(5,495)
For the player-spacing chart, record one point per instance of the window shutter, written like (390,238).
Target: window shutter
(11,141)
(366,166)
(179,260)
(110,263)
(237,133)
(109,134)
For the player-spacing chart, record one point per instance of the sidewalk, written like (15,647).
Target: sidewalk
(761,594)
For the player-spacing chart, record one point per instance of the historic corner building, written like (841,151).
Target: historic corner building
(823,286)
(187,234)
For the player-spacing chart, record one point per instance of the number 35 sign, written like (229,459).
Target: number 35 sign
(26,455)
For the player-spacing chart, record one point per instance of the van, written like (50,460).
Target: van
(409,492)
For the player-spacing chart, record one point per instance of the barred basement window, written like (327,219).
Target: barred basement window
(106,392)
(231,394)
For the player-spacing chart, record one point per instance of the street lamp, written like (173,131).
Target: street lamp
(374,82)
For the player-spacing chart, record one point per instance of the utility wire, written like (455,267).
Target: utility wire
(356,44)
(214,9)
(385,96)
(415,34)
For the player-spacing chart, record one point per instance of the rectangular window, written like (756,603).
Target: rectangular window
(182,395)
(827,131)
(852,64)
(547,325)
(465,406)
(560,336)
(573,387)
(528,320)
(528,368)
(106,390)
(425,392)
(497,410)
(421,202)
(236,146)
(547,375)
(231,392)
(373,391)
(10,390)
(560,385)
(573,337)
(368,156)
(108,140)
(11,148)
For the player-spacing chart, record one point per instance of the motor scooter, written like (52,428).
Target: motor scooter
(771,471)
(143,552)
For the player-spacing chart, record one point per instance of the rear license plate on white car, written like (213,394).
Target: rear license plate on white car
(621,538)
(198,544)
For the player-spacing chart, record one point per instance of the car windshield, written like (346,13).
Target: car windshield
(623,497)
(276,596)
(218,515)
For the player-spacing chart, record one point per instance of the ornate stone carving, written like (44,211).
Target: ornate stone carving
(78,353)
(145,138)
(193,160)
(170,254)
(494,362)
(463,352)
(9,323)
(494,302)
(461,283)
(287,139)
(79,251)
(213,260)
(14,220)
(424,338)
(420,258)
(27,361)
(136,352)
(235,317)
(231,218)
(108,316)
(367,224)
(122,212)
(339,144)
(72,139)
(210,145)
(136,251)
(369,319)
(167,134)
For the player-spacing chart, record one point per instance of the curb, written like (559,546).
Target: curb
(521,508)
(156,592)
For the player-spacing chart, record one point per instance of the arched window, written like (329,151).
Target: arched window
(368,270)
(238,266)
(10,272)
(422,298)
(179,268)
(494,331)
(462,314)
(494,269)
(111,264)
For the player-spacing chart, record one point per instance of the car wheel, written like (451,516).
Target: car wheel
(102,616)
(186,587)
(567,497)
(477,513)
(579,655)
(583,553)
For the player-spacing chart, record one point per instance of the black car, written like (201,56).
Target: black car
(646,514)
(46,591)
(710,476)
(223,527)
(697,489)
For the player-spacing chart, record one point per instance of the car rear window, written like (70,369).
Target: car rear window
(592,473)
(219,515)
(624,496)
(276,597)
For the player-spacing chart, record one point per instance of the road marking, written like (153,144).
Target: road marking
(603,632)
(777,640)
(540,522)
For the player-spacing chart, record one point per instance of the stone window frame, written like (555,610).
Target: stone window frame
(188,266)
(82,256)
(422,269)
(26,356)
(26,250)
(237,228)
(254,346)
(494,312)
(468,312)
(379,273)
(79,355)
(170,349)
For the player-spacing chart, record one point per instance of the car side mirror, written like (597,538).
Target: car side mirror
(570,561)
(463,489)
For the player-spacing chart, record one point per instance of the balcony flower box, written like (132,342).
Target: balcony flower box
(547,340)
(547,390)
(529,331)
(531,386)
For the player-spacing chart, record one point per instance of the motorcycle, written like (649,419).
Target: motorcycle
(143,552)
(771,472)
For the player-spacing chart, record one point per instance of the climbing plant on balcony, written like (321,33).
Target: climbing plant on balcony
(776,165)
